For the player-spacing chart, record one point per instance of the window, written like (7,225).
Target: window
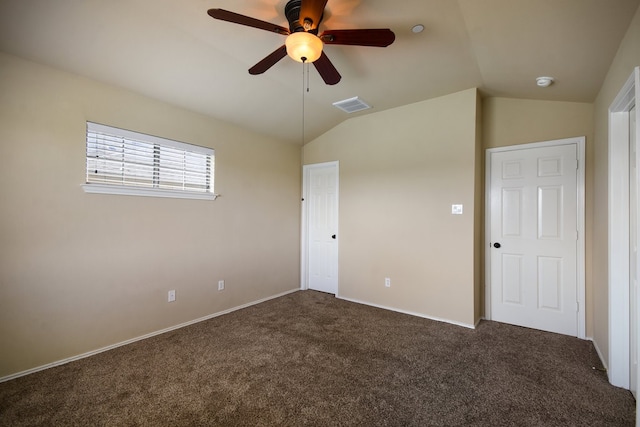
(125,162)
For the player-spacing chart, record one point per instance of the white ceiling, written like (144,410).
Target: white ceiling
(171,50)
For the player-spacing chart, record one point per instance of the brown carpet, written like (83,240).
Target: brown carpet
(311,359)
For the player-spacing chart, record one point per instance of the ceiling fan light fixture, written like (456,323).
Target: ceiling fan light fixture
(303,46)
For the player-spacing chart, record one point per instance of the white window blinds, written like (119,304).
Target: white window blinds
(122,158)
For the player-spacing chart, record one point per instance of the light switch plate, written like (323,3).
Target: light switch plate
(456,209)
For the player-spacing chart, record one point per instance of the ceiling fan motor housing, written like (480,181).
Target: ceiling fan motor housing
(292,12)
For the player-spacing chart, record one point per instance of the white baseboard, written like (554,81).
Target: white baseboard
(595,345)
(480,319)
(411,313)
(132,340)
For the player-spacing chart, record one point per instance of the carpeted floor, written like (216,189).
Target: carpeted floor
(311,359)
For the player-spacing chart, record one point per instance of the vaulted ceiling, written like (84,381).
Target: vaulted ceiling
(171,50)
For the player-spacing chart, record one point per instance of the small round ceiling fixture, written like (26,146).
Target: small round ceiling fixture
(416,29)
(544,81)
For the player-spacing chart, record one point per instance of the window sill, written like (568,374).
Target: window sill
(146,192)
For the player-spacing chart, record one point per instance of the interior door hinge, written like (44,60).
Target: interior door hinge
(577,306)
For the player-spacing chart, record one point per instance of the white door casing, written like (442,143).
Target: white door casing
(633,256)
(320,227)
(620,350)
(535,236)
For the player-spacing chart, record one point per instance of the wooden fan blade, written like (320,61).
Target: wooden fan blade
(236,18)
(312,10)
(381,37)
(269,61)
(326,70)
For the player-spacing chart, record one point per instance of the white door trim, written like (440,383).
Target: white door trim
(304,231)
(580,248)
(618,368)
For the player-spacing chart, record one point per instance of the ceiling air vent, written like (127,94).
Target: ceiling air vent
(351,105)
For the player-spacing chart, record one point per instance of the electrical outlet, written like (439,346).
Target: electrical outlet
(221,285)
(387,282)
(172,296)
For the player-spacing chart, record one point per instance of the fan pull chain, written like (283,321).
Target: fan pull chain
(303,63)
(304,84)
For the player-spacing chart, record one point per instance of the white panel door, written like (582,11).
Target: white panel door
(322,226)
(533,238)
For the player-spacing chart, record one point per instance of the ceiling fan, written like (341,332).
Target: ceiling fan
(303,43)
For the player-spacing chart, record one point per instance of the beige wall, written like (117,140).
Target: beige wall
(509,121)
(626,59)
(82,271)
(400,172)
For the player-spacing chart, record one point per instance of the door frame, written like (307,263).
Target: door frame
(304,230)
(619,317)
(579,142)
